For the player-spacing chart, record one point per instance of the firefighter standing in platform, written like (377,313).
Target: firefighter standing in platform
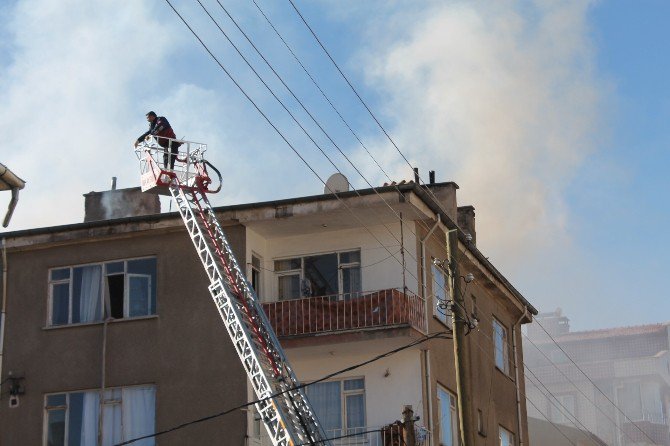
(160,127)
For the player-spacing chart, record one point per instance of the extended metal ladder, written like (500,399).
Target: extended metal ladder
(283,406)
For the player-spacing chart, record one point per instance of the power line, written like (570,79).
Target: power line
(357,434)
(437,335)
(596,406)
(335,194)
(319,87)
(267,119)
(348,82)
(586,376)
(303,129)
(486,355)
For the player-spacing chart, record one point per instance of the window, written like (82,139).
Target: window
(85,293)
(256,273)
(319,275)
(339,405)
(448,418)
(73,418)
(563,409)
(441,296)
(506,437)
(641,400)
(500,345)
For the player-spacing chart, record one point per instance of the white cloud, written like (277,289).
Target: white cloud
(67,99)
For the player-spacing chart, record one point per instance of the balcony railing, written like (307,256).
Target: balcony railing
(380,436)
(352,311)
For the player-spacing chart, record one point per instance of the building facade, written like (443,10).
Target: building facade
(109,333)
(629,365)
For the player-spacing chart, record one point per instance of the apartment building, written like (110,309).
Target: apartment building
(629,365)
(110,332)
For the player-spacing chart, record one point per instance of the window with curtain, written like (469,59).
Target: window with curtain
(86,293)
(72,418)
(340,405)
(500,346)
(448,418)
(441,296)
(331,274)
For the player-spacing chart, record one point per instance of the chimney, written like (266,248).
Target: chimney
(431,177)
(119,203)
(466,221)
(554,322)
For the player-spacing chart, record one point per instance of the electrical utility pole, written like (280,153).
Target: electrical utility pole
(461,352)
(408,434)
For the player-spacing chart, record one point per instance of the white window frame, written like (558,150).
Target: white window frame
(453,415)
(441,292)
(101,403)
(301,272)
(104,290)
(504,351)
(343,402)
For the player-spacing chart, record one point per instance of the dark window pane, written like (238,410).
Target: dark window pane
(76,407)
(350,257)
(60,274)
(287,264)
(60,298)
(142,266)
(115,267)
(321,274)
(115,290)
(56,400)
(138,295)
(256,280)
(56,428)
(354,384)
(146,267)
(255,262)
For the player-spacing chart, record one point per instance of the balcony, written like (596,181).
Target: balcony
(650,428)
(353,311)
(390,435)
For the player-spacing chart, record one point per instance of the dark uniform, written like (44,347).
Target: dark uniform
(161,127)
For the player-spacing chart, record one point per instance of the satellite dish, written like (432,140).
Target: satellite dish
(336,183)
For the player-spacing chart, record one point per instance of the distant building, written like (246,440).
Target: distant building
(110,330)
(630,365)
(544,433)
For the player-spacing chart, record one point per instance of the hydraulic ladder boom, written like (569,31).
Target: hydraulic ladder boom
(283,407)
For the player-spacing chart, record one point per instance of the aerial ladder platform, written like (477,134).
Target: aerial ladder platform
(282,405)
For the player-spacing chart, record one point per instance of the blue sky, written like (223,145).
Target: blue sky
(550,115)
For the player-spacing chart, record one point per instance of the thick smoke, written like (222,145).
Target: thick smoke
(501,98)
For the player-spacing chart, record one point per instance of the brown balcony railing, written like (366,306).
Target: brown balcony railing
(351,311)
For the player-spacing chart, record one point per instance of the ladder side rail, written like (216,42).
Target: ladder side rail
(270,412)
(296,399)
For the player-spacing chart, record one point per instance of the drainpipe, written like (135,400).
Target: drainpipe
(4,303)
(516,374)
(426,353)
